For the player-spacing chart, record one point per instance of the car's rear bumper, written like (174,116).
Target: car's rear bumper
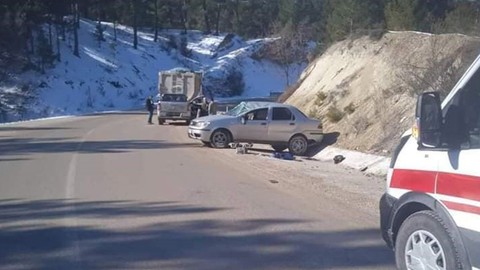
(175,115)
(314,137)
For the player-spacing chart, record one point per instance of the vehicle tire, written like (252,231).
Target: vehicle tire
(279,147)
(161,121)
(424,240)
(298,145)
(188,122)
(220,138)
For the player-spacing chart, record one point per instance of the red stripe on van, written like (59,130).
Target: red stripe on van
(458,185)
(462,207)
(415,180)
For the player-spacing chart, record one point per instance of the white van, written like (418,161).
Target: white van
(430,212)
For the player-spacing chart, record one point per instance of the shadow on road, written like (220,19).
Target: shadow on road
(25,146)
(22,128)
(29,238)
(328,139)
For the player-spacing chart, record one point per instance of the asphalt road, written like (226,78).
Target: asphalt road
(110,192)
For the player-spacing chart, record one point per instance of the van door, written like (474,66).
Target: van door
(458,181)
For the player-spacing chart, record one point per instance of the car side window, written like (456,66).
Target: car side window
(282,114)
(258,115)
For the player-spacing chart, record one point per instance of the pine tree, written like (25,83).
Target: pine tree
(400,15)
(346,17)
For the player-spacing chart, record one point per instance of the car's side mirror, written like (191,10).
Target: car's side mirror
(428,120)
(243,119)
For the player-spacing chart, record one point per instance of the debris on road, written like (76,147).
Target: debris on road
(282,155)
(338,158)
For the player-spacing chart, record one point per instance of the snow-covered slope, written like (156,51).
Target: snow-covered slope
(111,75)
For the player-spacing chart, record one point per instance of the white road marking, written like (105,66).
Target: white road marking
(70,194)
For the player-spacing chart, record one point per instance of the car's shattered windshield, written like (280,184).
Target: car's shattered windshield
(239,109)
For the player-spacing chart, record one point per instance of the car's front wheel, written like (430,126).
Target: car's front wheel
(425,242)
(298,145)
(220,138)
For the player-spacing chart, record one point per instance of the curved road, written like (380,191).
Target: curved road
(110,192)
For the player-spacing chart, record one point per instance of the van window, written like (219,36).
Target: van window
(462,116)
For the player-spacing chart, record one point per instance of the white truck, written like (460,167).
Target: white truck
(177,88)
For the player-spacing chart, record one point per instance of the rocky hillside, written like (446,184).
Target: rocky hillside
(365,89)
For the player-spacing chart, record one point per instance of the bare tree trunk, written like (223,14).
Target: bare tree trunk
(115,30)
(135,26)
(205,15)
(156,21)
(237,16)
(32,42)
(50,34)
(75,30)
(57,33)
(217,23)
(185,16)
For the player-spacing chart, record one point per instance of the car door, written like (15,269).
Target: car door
(282,125)
(255,128)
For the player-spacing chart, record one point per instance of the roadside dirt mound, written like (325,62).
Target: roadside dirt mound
(365,90)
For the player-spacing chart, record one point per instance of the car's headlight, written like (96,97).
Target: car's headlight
(203,124)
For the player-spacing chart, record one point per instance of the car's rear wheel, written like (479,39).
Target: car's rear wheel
(279,147)
(298,145)
(161,121)
(425,242)
(220,138)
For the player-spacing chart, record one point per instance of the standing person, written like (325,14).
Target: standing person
(150,108)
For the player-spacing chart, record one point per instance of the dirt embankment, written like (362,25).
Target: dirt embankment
(365,90)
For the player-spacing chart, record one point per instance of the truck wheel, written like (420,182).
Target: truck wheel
(298,145)
(279,147)
(425,242)
(220,138)
(161,121)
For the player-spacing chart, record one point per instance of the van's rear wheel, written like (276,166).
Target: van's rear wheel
(425,242)
(220,138)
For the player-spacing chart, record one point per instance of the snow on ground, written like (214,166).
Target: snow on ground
(111,75)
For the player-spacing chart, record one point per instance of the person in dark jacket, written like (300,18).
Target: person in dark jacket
(150,107)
